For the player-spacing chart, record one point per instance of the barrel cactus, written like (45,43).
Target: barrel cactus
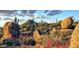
(66,23)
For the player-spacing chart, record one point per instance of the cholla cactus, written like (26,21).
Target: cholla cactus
(66,23)
(74,42)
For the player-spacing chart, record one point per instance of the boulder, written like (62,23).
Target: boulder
(36,35)
(74,41)
(66,23)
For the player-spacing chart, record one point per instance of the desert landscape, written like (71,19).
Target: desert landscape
(31,34)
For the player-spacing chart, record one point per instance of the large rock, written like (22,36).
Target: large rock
(11,30)
(74,41)
(36,35)
(66,23)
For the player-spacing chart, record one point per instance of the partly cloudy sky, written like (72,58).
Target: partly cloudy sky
(37,15)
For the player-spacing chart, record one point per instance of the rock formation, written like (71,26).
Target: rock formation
(36,35)
(74,41)
(11,30)
(66,23)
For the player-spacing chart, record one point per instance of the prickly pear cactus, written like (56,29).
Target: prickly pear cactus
(66,23)
(74,41)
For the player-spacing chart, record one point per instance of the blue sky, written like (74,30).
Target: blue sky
(45,15)
(67,13)
(62,15)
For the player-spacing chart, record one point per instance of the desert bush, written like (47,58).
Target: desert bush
(60,37)
(11,42)
(43,40)
(29,41)
(57,39)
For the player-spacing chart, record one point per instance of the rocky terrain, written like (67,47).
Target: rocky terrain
(62,34)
